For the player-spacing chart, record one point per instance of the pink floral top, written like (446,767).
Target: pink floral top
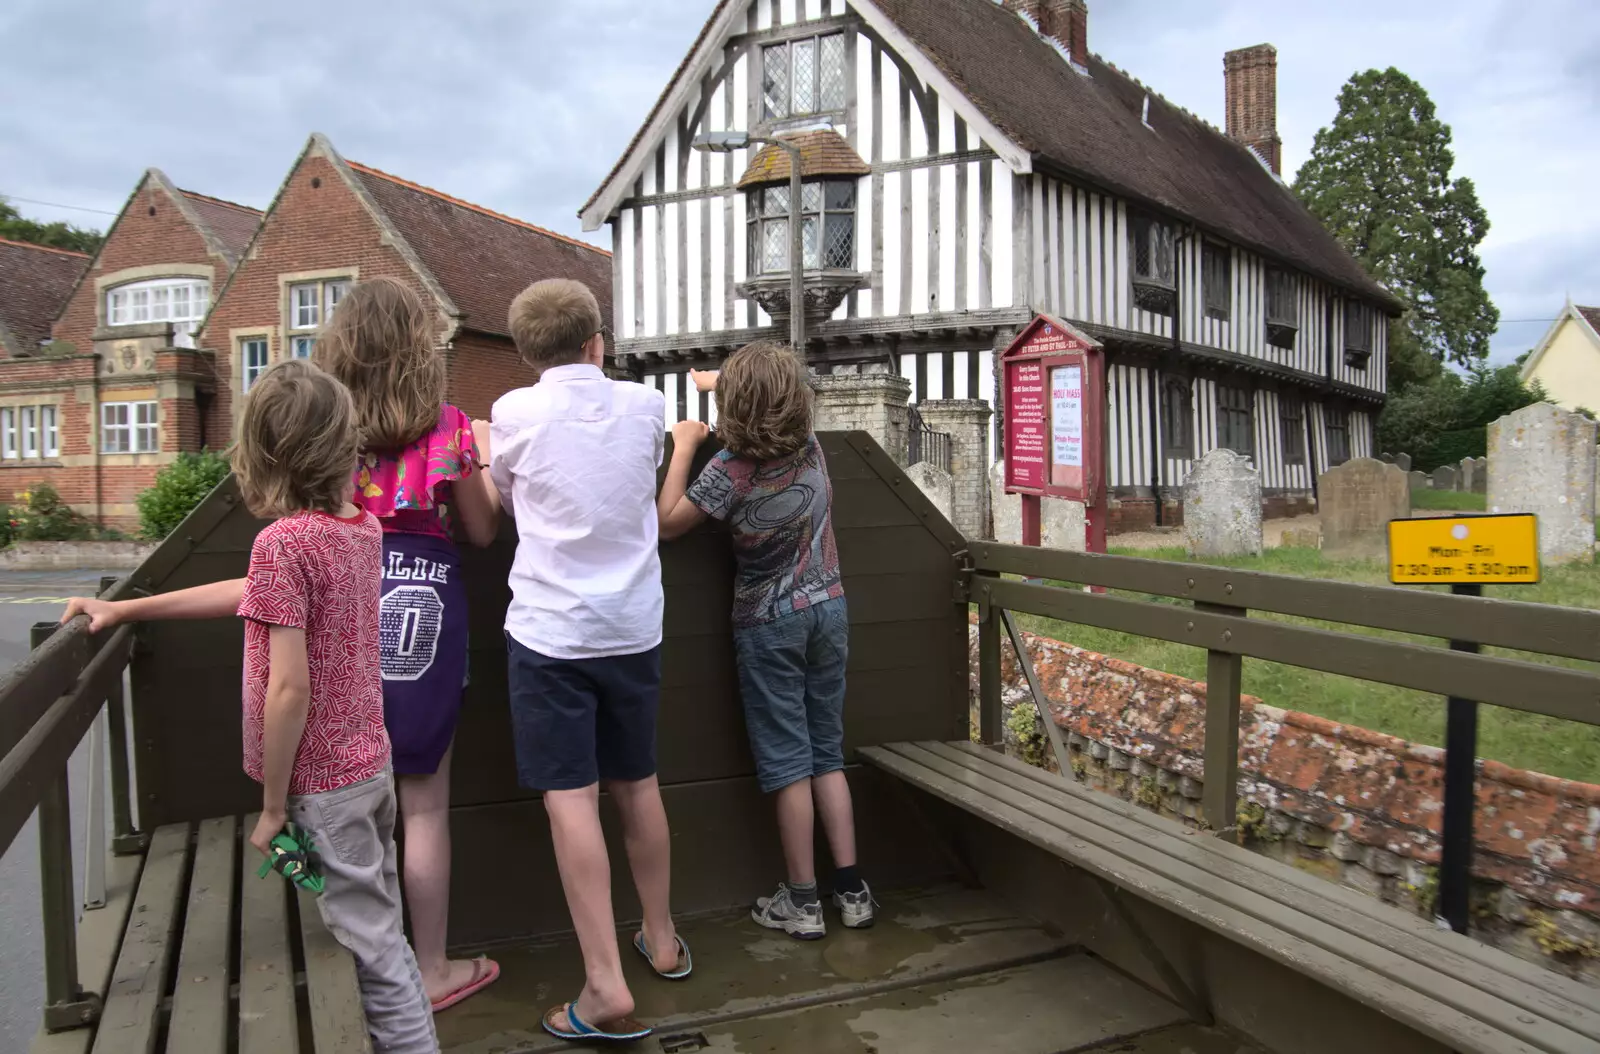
(409,490)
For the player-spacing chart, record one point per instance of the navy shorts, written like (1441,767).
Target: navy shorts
(579,721)
(791,680)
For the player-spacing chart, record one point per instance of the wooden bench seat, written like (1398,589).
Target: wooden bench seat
(212,957)
(1463,994)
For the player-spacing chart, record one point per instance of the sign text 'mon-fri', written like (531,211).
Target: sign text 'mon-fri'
(1464,549)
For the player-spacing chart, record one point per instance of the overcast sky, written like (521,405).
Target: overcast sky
(523,105)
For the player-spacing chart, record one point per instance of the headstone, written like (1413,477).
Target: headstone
(1542,460)
(1061,523)
(1386,457)
(1418,480)
(1301,538)
(1444,478)
(934,482)
(1466,473)
(1480,475)
(1403,462)
(1222,506)
(1356,502)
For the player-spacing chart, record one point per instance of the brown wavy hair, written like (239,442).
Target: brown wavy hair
(764,401)
(298,442)
(380,345)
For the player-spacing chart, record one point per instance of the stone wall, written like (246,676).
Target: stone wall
(874,403)
(1352,805)
(966,422)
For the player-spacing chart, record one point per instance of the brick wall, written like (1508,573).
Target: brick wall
(483,368)
(1251,77)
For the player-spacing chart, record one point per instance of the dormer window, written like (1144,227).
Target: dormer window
(1154,283)
(826,206)
(803,76)
(1283,307)
(1357,334)
(181,301)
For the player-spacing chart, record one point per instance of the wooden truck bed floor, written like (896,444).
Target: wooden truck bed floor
(944,969)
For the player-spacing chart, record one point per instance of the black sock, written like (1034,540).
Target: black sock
(803,895)
(846,880)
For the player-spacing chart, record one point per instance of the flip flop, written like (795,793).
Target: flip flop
(623,1030)
(485,972)
(685,961)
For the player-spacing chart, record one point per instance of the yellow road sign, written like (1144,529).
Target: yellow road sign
(1464,549)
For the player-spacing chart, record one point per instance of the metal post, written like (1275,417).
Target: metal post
(1220,795)
(1460,790)
(125,839)
(797,251)
(94,828)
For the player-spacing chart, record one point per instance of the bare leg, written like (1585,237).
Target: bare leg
(649,841)
(586,878)
(425,817)
(832,792)
(796,827)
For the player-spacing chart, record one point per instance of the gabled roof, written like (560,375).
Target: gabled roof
(1587,319)
(483,259)
(35,282)
(231,224)
(1048,115)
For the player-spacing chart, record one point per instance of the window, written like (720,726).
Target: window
(1292,423)
(1283,309)
(828,206)
(804,76)
(129,428)
(1177,417)
(253,359)
(301,347)
(1236,420)
(50,431)
(1216,274)
(312,302)
(181,301)
(1357,334)
(8,433)
(1338,429)
(1153,265)
(30,431)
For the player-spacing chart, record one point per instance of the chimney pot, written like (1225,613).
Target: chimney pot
(1251,75)
(1064,21)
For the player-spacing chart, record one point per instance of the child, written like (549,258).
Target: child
(313,693)
(575,457)
(416,475)
(790,627)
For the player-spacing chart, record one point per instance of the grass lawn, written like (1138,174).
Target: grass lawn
(1530,741)
(1449,500)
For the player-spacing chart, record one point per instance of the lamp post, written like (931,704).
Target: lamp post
(727,143)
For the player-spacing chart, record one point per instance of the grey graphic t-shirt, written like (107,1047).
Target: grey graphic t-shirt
(779,513)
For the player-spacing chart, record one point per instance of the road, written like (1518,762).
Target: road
(26,598)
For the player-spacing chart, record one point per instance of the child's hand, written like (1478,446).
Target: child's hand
(480,436)
(704,380)
(268,828)
(686,435)
(103,614)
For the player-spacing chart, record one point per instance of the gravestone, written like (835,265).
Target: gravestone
(1222,506)
(1466,475)
(1403,462)
(1356,501)
(1444,478)
(1542,460)
(1301,538)
(1418,480)
(934,482)
(1386,457)
(1480,475)
(1061,522)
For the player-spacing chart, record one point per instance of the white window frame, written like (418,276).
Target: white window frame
(8,433)
(157,300)
(302,347)
(312,303)
(135,426)
(50,430)
(28,427)
(146,427)
(250,371)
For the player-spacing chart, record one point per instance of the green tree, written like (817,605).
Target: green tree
(57,235)
(178,489)
(1380,179)
(1442,420)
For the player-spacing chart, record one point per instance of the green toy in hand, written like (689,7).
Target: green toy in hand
(293,855)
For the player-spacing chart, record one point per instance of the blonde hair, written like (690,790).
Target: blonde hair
(551,321)
(298,442)
(380,345)
(764,401)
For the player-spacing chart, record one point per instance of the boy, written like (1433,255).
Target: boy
(313,694)
(791,631)
(575,459)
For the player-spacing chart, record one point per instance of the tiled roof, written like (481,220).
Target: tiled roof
(482,258)
(1590,315)
(822,153)
(35,282)
(231,223)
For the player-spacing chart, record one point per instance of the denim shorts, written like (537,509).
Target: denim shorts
(791,679)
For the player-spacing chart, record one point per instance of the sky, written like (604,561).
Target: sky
(523,105)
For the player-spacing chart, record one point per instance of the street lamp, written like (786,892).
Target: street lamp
(727,143)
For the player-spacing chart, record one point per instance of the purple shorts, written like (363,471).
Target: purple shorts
(422,630)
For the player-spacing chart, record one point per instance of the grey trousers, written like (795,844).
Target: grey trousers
(353,828)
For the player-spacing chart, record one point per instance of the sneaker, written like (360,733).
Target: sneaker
(856,908)
(780,912)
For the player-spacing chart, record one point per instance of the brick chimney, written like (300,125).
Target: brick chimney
(1252,78)
(1064,21)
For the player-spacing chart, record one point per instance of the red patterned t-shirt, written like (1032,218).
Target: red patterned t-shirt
(322,574)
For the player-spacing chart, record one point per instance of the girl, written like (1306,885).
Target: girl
(417,474)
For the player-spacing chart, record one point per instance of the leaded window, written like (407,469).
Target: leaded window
(1338,429)
(1357,334)
(1154,265)
(1216,274)
(803,76)
(1236,419)
(1292,425)
(1177,417)
(827,226)
(1283,307)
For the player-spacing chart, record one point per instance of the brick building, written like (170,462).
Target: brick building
(335,222)
(112,388)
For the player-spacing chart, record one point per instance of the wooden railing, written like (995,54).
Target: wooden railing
(1217,618)
(48,703)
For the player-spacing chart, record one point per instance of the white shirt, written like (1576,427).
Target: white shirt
(575,458)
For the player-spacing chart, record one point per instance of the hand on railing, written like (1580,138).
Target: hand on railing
(103,614)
